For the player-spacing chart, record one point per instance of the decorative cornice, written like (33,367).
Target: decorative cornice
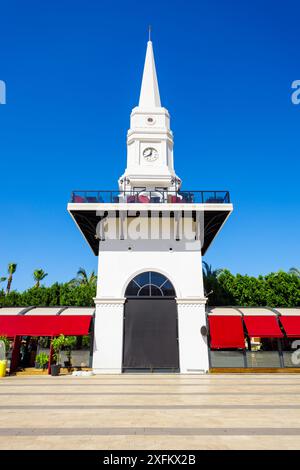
(109,300)
(191,301)
(120,301)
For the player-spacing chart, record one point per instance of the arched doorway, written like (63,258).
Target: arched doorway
(150,325)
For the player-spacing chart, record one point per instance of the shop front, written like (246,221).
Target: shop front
(30,331)
(254,339)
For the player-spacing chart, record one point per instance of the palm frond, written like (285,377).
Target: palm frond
(12,267)
(294,271)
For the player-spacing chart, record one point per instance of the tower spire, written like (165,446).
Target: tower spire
(149,96)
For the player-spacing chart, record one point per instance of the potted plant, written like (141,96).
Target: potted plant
(41,361)
(4,345)
(57,344)
(69,343)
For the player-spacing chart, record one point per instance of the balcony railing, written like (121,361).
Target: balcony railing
(158,196)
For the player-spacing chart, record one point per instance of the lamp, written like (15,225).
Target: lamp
(203,330)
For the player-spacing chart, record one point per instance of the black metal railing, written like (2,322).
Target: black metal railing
(157,196)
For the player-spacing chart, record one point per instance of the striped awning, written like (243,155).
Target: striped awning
(45,321)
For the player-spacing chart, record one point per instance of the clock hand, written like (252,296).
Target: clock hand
(148,153)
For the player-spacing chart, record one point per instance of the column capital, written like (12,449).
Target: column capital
(109,300)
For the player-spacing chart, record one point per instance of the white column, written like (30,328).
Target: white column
(193,349)
(108,336)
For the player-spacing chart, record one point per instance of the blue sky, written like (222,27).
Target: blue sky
(73,72)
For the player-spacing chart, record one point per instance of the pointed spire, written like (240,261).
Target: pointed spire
(149,97)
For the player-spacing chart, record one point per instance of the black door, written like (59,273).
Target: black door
(150,334)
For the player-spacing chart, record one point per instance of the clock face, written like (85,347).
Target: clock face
(150,154)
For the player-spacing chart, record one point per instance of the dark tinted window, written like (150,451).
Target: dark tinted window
(142,279)
(157,279)
(151,284)
(144,291)
(156,291)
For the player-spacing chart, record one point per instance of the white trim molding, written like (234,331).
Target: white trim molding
(109,300)
(190,301)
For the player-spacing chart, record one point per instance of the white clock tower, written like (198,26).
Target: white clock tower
(150,163)
(150,236)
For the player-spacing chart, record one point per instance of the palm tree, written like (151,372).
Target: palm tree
(210,281)
(38,276)
(12,267)
(295,271)
(3,279)
(209,272)
(214,289)
(82,278)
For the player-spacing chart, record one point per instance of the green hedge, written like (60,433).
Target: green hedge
(57,294)
(275,289)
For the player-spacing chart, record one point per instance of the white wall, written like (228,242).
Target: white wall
(117,266)
(193,351)
(108,337)
(184,269)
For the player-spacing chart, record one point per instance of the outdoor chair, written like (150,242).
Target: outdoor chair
(175,199)
(131,199)
(143,199)
(91,199)
(78,199)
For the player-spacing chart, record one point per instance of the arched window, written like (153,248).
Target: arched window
(150,284)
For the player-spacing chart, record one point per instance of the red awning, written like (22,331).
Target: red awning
(226,332)
(291,326)
(263,326)
(44,325)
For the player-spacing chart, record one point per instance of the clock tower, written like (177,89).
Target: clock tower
(150,163)
(150,235)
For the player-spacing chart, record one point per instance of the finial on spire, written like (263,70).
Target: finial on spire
(149,30)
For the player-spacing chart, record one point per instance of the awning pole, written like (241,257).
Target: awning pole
(15,355)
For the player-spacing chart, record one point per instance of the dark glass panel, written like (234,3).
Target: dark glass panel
(227,358)
(291,352)
(145,291)
(168,289)
(132,289)
(156,291)
(157,278)
(140,285)
(143,278)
